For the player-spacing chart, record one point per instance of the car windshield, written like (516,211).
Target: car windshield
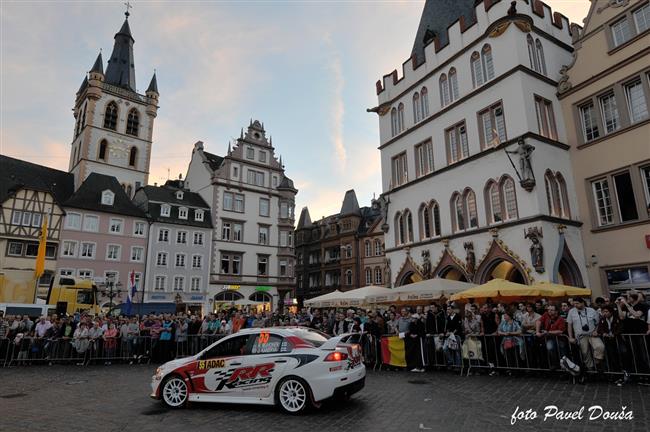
(312,336)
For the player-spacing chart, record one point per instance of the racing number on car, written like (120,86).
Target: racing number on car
(263,338)
(211,364)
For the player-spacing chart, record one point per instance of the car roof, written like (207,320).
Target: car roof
(284,330)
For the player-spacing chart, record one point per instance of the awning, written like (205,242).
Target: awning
(426,290)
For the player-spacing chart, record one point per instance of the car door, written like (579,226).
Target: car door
(219,368)
(266,351)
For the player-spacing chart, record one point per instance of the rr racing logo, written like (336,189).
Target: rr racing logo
(245,376)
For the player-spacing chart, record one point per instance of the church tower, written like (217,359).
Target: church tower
(114,123)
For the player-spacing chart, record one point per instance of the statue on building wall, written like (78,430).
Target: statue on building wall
(387,275)
(470,257)
(525,173)
(426,264)
(536,249)
(381,204)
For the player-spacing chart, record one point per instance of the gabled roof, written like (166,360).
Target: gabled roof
(350,204)
(89,197)
(16,174)
(213,160)
(286,183)
(305,220)
(437,16)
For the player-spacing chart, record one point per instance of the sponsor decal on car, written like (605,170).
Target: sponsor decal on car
(211,364)
(243,377)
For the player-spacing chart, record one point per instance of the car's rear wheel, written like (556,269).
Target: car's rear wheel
(174,392)
(292,394)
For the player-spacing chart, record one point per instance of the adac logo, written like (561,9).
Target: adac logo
(247,376)
(211,364)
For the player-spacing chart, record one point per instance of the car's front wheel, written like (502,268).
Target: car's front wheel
(174,392)
(292,394)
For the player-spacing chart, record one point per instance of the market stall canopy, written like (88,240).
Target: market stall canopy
(498,288)
(323,300)
(361,296)
(551,289)
(426,290)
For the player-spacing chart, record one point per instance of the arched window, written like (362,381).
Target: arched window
(566,210)
(494,202)
(393,122)
(477,70)
(470,206)
(435,212)
(133,122)
(532,56)
(488,64)
(424,98)
(368,248)
(377,247)
(425,222)
(110,116)
(553,194)
(458,214)
(540,57)
(101,154)
(510,198)
(399,229)
(453,85)
(228,296)
(348,277)
(409,225)
(368,276)
(400,117)
(378,276)
(417,116)
(444,90)
(129,190)
(133,156)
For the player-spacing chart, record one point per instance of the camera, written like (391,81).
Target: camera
(585,327)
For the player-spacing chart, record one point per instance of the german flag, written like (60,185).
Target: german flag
(393,351)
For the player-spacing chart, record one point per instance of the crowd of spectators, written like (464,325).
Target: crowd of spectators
(522,335)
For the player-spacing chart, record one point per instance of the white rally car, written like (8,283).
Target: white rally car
(293,367)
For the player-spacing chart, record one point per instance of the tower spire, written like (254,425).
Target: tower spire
(121,65)
(99,64)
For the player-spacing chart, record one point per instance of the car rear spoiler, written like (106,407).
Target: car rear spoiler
(333,342)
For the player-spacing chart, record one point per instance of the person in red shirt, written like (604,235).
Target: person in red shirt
(238,322)
(551,330)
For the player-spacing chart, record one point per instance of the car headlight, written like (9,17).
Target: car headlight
(159,373)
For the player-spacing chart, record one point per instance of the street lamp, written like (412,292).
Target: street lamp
(110,284)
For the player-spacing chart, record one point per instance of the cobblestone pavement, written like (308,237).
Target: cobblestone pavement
(115,398)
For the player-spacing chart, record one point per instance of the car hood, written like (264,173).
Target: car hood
(179,362)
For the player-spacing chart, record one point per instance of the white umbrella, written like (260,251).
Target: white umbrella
(428,289)
(361,296)
(324,300)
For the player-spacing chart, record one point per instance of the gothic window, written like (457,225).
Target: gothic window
(444,90)
(133,122)
(556,194)
(424,98)
(477,70)
(510,198)
(470,208)
(540,57)
(409,225)
(435,212)
(453,85)
(110,116)
(482,66)
(102,150)
(417,115)
(400,117)
(494,202)
(425,222)
(458,213)
(488,65)
(532,56)
(393,122)
(133,156)
(564,196)
(399,229)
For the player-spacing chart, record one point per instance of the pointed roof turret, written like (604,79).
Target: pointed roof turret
(153,85)
(305,220)
(350,204)
(121,65)
(84,84)
(99,64)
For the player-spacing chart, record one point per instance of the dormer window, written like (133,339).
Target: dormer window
(108,197)
(179,195)
(165,210)
(198,215)
(182,213)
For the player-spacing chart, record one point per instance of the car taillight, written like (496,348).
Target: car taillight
(336,356)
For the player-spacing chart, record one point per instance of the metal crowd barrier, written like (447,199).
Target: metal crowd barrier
(628,353)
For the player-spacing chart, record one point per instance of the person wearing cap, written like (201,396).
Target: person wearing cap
(582,322)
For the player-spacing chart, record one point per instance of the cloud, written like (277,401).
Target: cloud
(338,110)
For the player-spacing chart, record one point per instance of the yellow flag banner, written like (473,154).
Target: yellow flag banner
(40,257)
(393,351)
